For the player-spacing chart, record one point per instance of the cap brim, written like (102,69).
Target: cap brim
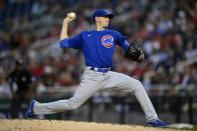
(110,16)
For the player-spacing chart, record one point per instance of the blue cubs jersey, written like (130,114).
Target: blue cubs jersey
(97,46)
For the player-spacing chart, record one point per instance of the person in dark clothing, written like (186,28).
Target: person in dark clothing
(25,83)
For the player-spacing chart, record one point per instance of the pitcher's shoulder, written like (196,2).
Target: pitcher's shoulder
(86,32)
(112,31)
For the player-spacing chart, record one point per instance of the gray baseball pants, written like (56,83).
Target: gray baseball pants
(92,82)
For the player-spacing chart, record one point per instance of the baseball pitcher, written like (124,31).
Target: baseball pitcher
(98,48)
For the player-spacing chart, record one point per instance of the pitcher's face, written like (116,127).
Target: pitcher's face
(102,21)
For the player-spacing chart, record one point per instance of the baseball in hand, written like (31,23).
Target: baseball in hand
(72,14)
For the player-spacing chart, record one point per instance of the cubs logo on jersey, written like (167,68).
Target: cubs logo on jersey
(107,41)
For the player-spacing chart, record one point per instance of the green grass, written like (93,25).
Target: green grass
(194,128)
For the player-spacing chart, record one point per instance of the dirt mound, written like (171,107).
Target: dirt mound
(56,125)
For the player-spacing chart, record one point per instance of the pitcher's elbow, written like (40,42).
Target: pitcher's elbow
(64,43)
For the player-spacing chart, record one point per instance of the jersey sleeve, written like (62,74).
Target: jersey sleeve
(74,42)
(122,42)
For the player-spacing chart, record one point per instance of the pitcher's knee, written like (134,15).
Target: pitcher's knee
(138,84)
(73,104)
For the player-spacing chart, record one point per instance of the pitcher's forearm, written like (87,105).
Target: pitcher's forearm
(64,32)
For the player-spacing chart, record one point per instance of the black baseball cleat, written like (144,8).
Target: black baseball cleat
(30,111)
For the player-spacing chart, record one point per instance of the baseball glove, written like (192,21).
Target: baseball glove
(133,52)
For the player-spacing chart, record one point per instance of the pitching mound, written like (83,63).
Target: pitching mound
(54,125)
